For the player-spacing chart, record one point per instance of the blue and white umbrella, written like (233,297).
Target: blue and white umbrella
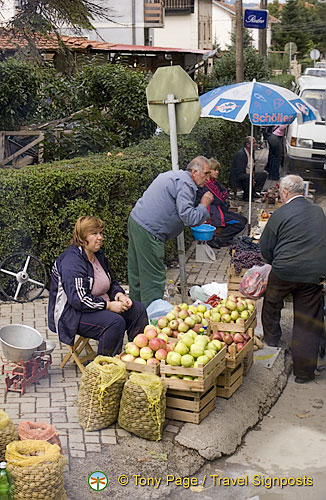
(265,104)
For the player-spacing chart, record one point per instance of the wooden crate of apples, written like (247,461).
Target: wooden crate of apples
(234,314)
(146,351)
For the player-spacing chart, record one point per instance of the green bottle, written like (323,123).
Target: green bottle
(5,482)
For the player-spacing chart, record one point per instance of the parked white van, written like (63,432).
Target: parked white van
(305,145)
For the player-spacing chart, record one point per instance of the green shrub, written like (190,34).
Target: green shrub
(18,93)
(39,205)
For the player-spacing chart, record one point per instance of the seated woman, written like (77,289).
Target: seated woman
(230,222)
(84,297)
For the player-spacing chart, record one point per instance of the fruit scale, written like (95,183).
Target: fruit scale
(18,375)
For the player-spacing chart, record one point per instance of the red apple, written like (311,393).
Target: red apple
(153,361)
(150,333)
(238,338)
(141,340)
(155,344)
(240,346)
(161,354)
(217,336)
(227,339)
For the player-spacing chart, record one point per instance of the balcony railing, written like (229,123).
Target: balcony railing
(153,14)
(179,6)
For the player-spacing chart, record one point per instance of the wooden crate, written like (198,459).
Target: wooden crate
(248,362)
(136,367)
(188,406)
(234,361)
(229,381)
(206,374)
(240,327)
(234,281)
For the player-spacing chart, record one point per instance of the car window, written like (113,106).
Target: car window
(317,99)
(315,72)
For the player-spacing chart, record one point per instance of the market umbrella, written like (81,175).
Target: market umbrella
(265,104)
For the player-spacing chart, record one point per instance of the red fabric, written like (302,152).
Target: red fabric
(221,195)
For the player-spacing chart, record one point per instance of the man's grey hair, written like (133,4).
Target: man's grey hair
(198,164)
(293,183)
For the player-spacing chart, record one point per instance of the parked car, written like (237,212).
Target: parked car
(305,143)
(320,71)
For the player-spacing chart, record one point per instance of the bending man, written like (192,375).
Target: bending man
(159,215)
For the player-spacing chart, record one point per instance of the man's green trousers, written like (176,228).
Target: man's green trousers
(146,269)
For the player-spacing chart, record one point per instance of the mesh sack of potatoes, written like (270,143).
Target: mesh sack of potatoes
(8,433)
(142,406)
(37,470)
(100,393)
(38,430)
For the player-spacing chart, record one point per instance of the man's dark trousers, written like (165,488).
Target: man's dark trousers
(308,321)
(259,178)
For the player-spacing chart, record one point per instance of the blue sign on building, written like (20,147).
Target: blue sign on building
(255,18)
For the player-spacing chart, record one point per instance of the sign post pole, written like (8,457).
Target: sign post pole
(171,102)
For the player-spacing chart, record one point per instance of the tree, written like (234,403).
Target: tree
(302,23)
(224,69)
(274,9)
(47,16)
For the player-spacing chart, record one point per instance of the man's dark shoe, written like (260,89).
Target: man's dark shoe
(303,380)
(255,195)
(213,244)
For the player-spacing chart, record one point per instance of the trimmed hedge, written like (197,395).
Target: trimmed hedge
(39,205)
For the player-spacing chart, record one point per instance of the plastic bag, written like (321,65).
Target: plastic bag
(254,281)
(158,308)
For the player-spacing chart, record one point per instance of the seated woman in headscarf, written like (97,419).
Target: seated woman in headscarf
(231,223)
(85,299)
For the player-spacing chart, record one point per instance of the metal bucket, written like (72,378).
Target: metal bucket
(19,342)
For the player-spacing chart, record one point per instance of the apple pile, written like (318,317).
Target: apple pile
(148,348)
(183,318)
(235,341)
(232,310)
(191,350)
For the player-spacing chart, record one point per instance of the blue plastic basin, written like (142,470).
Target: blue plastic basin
(203,233)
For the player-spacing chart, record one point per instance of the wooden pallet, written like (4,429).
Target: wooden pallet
(229,381)
(136,367)
(206,374)
(188,406)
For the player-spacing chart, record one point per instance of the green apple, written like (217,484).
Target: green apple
(181,348)
(187,361)
(196,350)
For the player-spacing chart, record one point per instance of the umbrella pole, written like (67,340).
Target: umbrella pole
(250,175)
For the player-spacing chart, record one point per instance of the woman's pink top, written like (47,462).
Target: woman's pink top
(279,130)
(102,282)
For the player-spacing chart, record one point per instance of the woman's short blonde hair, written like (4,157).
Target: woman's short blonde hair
(214,164)
(84,226)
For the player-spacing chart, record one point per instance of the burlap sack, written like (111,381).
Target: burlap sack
(8,433)
(142,406)
(37,470)
(100,393)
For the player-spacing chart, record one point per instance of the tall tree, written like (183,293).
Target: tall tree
(47,16)
(299,24)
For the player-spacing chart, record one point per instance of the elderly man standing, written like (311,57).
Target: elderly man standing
(161,214)
(294,243)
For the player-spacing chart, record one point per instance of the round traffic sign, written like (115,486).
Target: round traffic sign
(173,80)
(314,54)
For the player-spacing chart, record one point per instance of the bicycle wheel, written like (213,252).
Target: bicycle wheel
(22,277)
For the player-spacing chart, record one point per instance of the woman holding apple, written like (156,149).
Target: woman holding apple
(84,297)
(230,223)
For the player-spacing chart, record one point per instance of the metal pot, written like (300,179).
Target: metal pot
(19,342)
